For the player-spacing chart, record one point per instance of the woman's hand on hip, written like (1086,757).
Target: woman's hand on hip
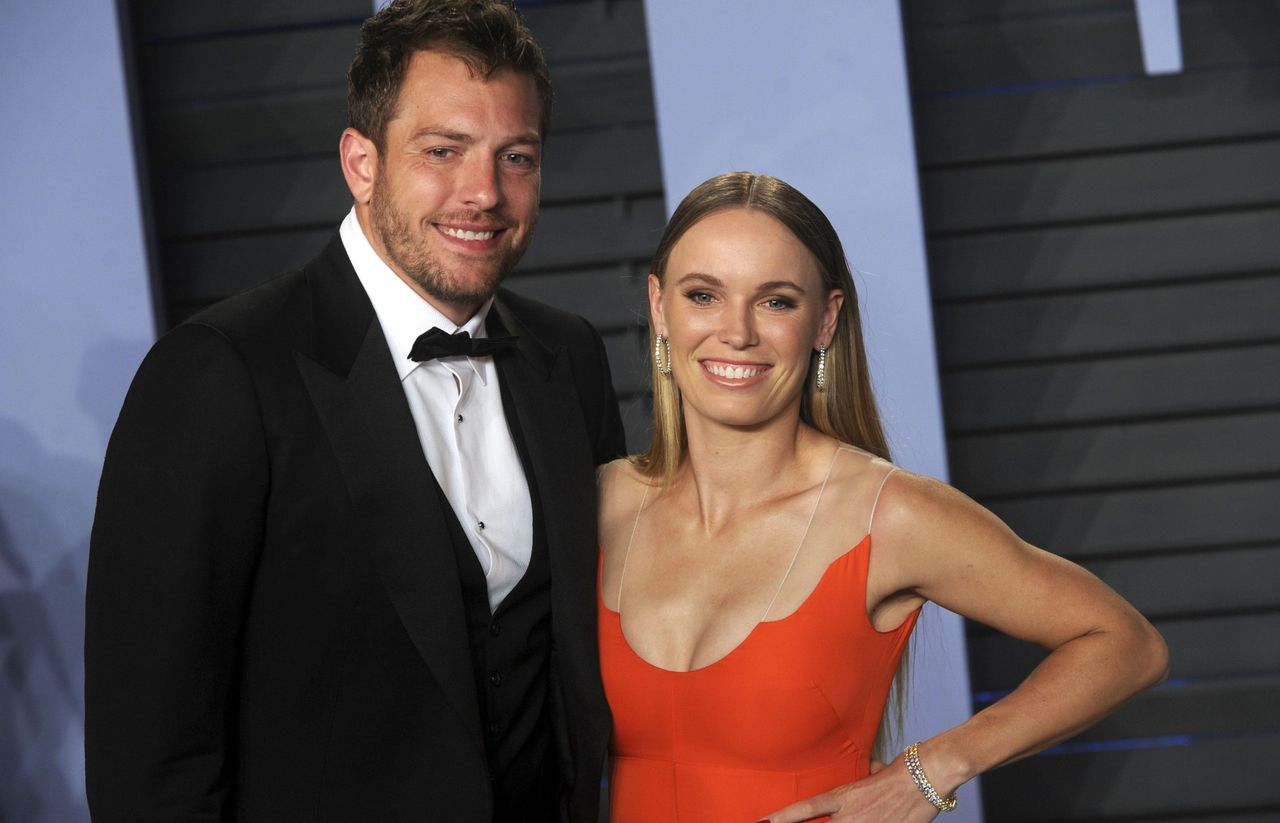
(887,795)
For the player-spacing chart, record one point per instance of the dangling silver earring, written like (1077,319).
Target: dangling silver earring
(820,379)
(662,346)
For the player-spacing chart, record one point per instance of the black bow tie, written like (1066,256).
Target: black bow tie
(439,343)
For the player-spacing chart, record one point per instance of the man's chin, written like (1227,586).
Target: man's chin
(454,294)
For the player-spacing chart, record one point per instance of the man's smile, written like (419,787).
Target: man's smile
(466,234)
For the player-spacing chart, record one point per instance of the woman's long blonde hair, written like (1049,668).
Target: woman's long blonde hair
(845,410)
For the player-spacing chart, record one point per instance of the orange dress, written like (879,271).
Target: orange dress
(791,712)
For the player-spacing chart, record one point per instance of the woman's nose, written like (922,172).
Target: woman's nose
(738,330)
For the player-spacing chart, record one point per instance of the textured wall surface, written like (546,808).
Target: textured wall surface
(1106,281)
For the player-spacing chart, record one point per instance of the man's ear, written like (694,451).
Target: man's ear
(359,157)
(656,318)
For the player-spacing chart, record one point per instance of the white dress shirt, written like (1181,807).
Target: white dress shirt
(457,408)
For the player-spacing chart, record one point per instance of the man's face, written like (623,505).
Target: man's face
(455,195)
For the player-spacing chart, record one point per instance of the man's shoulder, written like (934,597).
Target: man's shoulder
(545,322)
(244,329)
(257,305)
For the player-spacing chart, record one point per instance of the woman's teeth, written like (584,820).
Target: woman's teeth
(733,372)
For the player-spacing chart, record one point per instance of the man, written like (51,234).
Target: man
(343,568)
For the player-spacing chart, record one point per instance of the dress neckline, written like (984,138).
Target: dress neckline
(804,605)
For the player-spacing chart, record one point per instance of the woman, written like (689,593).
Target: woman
(763,563)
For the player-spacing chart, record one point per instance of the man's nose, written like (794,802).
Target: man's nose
(480,186)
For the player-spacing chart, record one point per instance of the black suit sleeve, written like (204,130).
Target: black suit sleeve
(175,539)
(610,441)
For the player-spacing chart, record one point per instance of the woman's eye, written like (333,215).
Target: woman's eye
(779,303)
(700,297)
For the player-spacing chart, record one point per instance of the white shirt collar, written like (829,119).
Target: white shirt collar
(402,312)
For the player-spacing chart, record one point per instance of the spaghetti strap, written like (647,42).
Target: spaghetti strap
(872,517)
(795,554)
(622,573)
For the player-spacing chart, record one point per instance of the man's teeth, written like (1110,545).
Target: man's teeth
(468,235)
(733,372)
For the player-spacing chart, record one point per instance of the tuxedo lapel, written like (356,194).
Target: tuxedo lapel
(545,406)
(357,395)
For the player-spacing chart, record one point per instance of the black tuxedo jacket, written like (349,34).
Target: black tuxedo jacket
(275,629)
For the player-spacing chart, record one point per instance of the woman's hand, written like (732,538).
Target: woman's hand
(888,795)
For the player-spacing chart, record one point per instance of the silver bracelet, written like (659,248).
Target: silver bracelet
(911,757)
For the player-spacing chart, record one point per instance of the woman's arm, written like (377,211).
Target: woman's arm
(950,550)
(933,543)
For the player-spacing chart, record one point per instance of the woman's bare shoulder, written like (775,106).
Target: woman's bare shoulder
(856,474)
(620,472)
(917,505)
(621,488)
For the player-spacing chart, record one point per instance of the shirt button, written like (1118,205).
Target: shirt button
(495,679)
(495,629)
(459,418)
(480,525)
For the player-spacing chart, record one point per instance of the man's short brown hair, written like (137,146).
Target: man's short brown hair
(487,35)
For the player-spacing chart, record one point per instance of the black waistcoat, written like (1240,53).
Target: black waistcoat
(510,656)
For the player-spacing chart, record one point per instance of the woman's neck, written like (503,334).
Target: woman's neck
(733,471)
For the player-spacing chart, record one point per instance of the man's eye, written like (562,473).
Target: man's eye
(779,303)
(519,162)
(700,297)
(440,152)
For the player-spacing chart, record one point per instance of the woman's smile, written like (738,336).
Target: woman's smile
(735,374)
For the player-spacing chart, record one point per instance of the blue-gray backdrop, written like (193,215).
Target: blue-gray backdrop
(75,319)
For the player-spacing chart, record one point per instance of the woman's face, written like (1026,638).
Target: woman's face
(743,306)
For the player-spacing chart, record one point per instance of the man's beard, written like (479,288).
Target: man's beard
(409,252)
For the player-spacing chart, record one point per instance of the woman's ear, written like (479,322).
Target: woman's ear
(656,317)
(830,318)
